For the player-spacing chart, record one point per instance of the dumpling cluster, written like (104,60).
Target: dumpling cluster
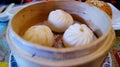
(77,35)
(59,20)
(39,34)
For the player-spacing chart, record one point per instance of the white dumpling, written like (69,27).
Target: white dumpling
(39,34)
(77,35)
(59,20)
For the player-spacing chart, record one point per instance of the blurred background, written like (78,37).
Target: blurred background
(116,3)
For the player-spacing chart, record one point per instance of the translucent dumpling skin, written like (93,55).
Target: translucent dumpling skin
(39,34)
(59,20)
(77,35)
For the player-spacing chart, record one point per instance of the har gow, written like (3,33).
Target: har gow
(59,20)
(77,35)
(39,34)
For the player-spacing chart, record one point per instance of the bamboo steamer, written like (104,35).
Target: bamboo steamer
(34,55)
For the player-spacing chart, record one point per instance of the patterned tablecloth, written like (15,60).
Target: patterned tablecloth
(4,48)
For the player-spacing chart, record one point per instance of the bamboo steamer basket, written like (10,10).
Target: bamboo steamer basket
(34,55)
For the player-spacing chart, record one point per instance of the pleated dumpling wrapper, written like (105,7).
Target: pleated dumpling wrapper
(39,34)
(59,20)
(77,35)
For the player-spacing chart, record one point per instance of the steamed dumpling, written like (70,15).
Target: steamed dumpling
(59,20)
(39,34)
(77,35)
